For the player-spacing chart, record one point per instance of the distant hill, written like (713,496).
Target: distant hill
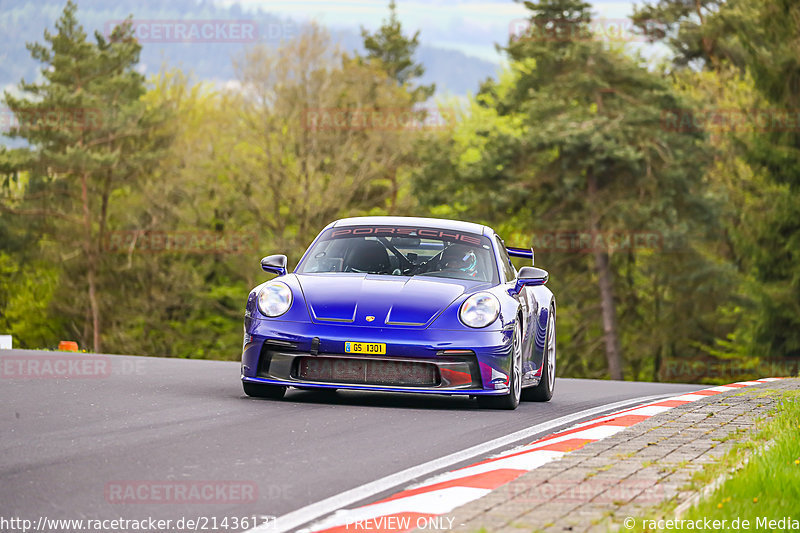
(24,21)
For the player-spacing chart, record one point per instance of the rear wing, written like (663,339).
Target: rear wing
(520,252)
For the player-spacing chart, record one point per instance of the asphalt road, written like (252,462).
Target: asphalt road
(86,445)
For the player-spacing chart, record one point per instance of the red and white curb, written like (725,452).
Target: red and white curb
(423,505)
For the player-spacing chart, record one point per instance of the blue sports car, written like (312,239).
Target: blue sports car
(403,304)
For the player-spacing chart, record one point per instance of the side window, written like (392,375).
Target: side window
(508,269)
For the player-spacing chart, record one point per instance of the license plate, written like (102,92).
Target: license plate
(365,347)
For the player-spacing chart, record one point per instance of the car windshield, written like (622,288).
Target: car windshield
(402,251)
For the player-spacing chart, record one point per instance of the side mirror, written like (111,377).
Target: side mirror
(531,276)
(274,264)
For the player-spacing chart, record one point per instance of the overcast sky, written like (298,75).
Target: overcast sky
(472,26)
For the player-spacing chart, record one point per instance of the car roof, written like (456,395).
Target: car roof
(441,223)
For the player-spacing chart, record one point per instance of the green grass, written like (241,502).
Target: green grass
(769,485)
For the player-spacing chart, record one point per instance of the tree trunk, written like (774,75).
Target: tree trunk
(708,44)
(661,346)
(95,312)
(91,264)
(613,352)
(393,197)
(605,283)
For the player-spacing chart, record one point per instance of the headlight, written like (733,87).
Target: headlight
(479,310)
(274,299)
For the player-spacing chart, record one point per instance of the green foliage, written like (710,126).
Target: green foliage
(770,246)
(571,137)
(249,163)
(750,494)
(394,52)
(571,140)
(89,135)
(693,30)
(25,303)
(755,43)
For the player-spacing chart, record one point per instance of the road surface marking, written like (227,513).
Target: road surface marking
(494,472)
(290,521)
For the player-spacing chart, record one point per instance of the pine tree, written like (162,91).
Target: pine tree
(89,135)
(395,52)
(769,243)
(572,140)
(391,51)
(760,40)
(691,29)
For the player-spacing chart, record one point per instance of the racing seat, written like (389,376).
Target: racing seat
(368,256)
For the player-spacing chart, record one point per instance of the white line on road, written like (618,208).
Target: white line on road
(311,512)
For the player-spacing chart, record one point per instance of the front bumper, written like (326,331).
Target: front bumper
(472,362)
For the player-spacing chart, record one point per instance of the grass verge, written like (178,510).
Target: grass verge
(768,486)
(765,492)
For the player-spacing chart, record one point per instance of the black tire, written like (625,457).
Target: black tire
(509,401)
(261,390)
(544,390)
